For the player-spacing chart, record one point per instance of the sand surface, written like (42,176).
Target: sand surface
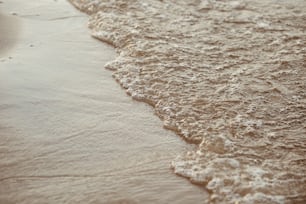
(9,26)
(68,132)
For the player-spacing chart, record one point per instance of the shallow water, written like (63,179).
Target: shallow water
(226,75)
(68,132)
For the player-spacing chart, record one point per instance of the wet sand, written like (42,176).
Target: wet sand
(68,132)
(9,29)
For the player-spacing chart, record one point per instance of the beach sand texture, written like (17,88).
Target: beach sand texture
(9,26)
(68,132)
(226,75)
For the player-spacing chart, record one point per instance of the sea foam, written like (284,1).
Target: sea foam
(228,76)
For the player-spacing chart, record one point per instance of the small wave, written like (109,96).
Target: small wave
(226,75)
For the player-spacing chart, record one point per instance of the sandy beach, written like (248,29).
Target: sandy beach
(226,75)
(68,132)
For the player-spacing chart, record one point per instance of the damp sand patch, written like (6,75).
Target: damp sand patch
(9,29)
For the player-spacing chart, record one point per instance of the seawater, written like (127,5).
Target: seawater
(228,76)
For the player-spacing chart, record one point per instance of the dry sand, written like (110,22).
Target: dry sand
(68,133)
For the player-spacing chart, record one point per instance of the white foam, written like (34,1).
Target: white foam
(222,74)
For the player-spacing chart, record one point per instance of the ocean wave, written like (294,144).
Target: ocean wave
(226,75)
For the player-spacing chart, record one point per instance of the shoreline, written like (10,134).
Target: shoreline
(171,60)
